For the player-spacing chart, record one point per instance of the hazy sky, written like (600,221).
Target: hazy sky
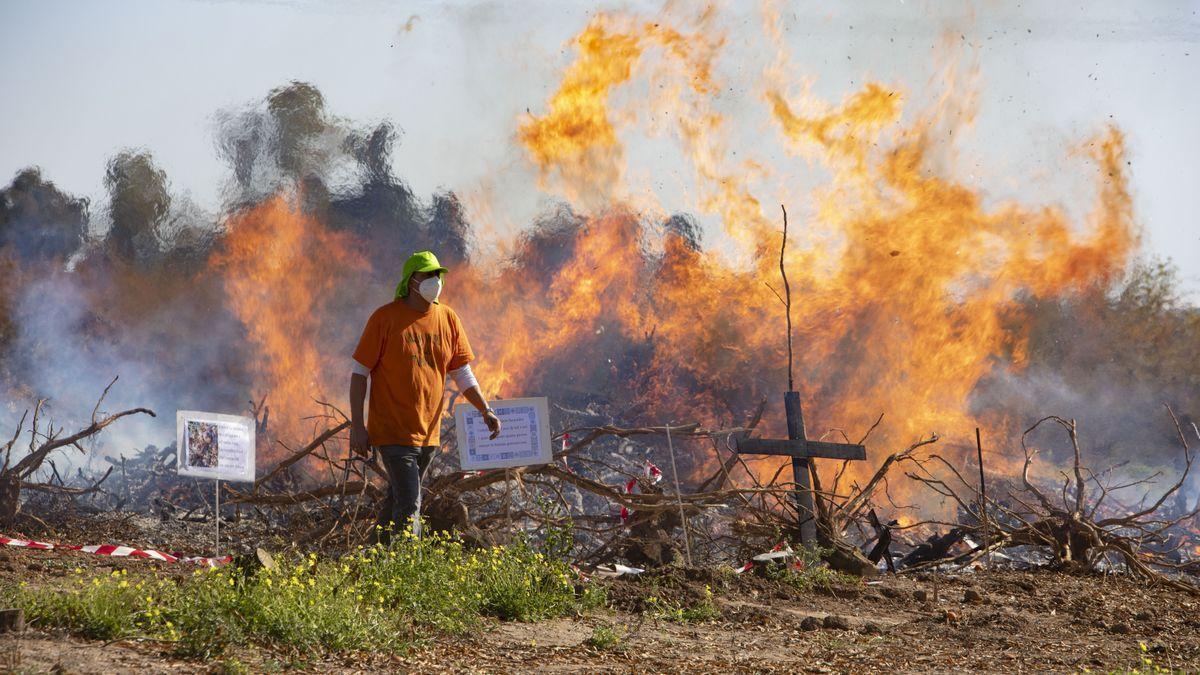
(82,80)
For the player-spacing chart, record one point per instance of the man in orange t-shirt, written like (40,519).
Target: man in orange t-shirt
(408,348)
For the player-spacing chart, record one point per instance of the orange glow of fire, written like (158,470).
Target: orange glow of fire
(280,266)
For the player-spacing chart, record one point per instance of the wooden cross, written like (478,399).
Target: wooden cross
(801,450)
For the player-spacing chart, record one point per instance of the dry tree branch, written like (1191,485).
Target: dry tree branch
(33,461)
(43,443)
(1187,458)
(300,454)
(8,446)
(63,489)
(855,505)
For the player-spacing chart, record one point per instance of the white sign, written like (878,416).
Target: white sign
(524,435)
(215,446)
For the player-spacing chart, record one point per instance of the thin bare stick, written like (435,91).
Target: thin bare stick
(32,461)
(687,539)
(787,291)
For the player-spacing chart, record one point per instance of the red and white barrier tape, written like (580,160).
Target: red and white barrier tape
(566,440)
(649,472)
(116,551)
(652,473)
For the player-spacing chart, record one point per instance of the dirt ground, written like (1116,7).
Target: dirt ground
(996,621)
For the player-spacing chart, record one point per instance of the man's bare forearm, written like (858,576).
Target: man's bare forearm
(475,397)
(358,394)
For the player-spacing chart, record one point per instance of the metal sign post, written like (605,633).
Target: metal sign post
(687,538)
(217,518)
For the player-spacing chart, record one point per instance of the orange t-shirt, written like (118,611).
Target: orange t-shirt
(409,354)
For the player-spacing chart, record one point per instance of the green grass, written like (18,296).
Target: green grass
(605,638)
(378,599)
(811,572)
(665,610)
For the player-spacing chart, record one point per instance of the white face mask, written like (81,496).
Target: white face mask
(431,288)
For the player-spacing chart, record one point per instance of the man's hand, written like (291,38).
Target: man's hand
(493,423)
(476,399)
(359,441)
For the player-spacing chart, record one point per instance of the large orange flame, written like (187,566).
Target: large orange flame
(280,267)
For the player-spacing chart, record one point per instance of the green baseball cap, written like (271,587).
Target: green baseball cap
(421,261)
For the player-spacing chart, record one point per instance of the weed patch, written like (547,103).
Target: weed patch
(605,638)
(809,572)
(700,611)
(378,598)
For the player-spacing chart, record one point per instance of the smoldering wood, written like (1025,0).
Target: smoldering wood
(935,549)
(882,550)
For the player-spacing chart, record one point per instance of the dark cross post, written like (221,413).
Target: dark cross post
(801,450)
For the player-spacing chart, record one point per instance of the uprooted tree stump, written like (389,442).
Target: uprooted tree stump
(1070,526)
(12,620)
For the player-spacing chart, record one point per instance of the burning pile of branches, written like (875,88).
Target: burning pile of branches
(613,506)
(600,501)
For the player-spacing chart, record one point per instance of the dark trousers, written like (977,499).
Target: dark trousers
(404,465)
